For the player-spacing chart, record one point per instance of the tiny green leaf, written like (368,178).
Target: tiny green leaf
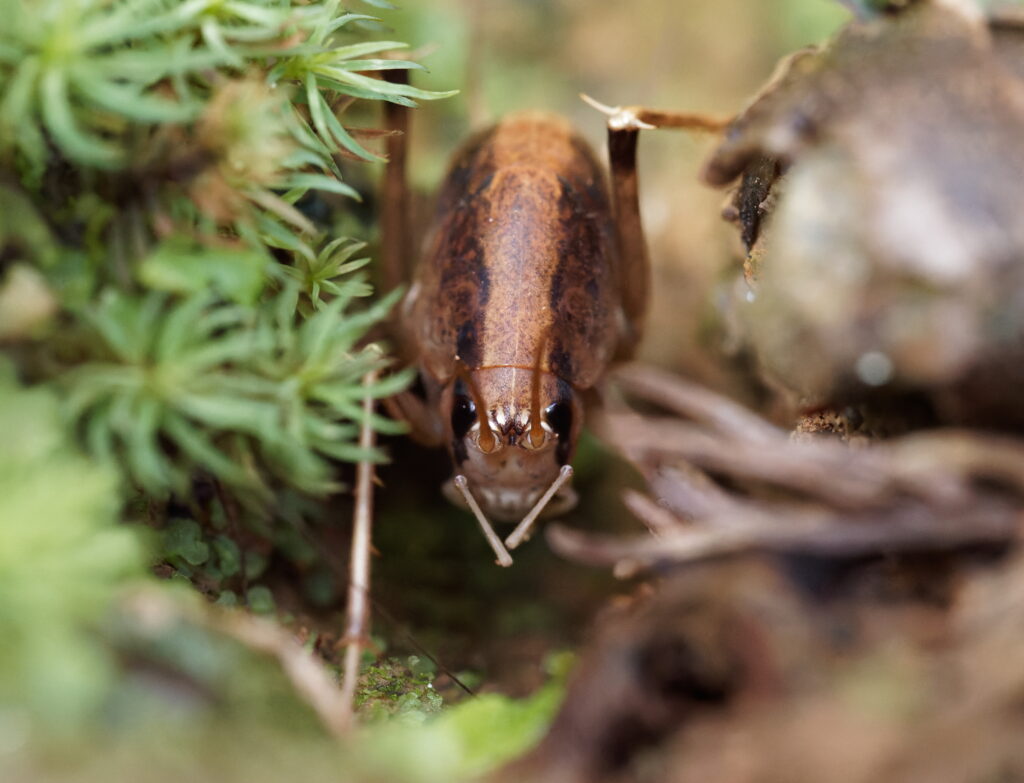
(184,538)
(260,600)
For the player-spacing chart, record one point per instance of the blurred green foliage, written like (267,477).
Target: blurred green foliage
(99,78)
(63,557)
(235,719)
(194,318)
(237,392)
(799,23)
(465,741)
(173,307)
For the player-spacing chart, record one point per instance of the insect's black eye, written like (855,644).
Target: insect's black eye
(463,415)
(559,418)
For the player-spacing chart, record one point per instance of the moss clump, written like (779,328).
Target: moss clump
(396,688)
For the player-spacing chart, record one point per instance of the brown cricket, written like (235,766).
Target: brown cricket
(533,281)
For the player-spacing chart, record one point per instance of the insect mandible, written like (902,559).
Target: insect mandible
(532,281)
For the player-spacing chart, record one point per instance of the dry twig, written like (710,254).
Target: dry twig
(935,490)
(357,609)
(311,680)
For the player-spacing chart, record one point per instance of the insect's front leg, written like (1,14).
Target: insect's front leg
(425,425)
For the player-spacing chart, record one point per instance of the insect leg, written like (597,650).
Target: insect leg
(424,425)
(504,558)
(633,265)
(517,536)
(624,126)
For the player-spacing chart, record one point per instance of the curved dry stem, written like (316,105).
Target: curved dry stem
(313,683)
(823,470)
(687,491)
(911,527)
(695,402)
(934,490)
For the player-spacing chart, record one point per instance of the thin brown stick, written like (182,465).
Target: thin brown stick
(308,676)
(357,608)
(935,466)
(797,530)
(659,520)
(833,473)
(340,571)
(936,490)
(395,223)
(687,492)
(642,117)
(960,452)
(695,402)
(681,120)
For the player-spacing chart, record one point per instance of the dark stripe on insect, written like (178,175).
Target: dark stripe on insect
(567,213)
(473,158)
(467,343)
(466,282)
(475,193)
(559,361)
(578,244)
(466,260)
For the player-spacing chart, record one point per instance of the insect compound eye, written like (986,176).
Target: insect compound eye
(463,415)
(559,418)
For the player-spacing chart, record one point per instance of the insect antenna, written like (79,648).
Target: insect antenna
(504,558)
(488,442)
(517,536)
(536,430)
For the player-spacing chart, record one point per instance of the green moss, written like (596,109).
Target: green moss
(63,559)
(394,689)
(461,742)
